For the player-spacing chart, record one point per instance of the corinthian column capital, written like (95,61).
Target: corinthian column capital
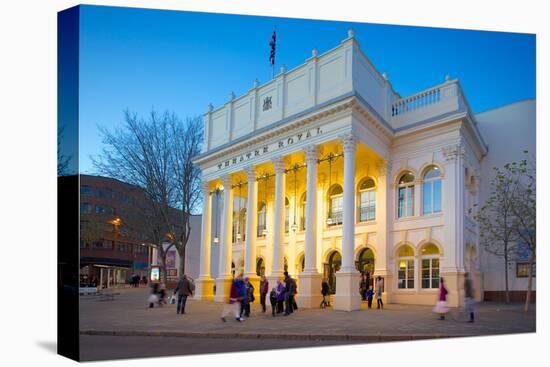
(226,182)
(350,143)
(311,153)
(251,173)
(279,164)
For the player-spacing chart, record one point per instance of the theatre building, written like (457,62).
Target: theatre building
(327,172)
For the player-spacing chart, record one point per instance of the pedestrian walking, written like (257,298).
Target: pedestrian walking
(234,303)
(273,300)
(469,296)
(280,296)
(441,305)
(369,296)
(379,290)
(184,290)
(264,288)
(324,291)
(154,297)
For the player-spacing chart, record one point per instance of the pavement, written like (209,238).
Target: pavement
(128,315)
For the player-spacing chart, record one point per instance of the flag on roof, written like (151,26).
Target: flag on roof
(272,44)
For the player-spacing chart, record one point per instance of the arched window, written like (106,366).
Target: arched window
(262,229)
(431,191)
(367,200)
(335,205)
(405,195)
(430,266)
(300,264)
(405,267)
(303,211)
(287,214)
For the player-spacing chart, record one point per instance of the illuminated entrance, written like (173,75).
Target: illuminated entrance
(365,265)
(260,267)
(330,268)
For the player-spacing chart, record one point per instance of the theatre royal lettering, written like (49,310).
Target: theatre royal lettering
(290,140)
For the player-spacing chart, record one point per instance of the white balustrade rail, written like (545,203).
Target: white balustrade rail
(417,101)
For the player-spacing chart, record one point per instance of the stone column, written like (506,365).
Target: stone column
(347,296)
(452,265)
(204,285)
(223,282)
(384,210)
(310,279)
(279,222)
(251,223)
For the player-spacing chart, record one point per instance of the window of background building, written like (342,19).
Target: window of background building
(105,244)
(104,209)
(85,208)
(85,190)
(405,195)
(367,200)
(431,191)
(522,270)
(103,192)
(82,243)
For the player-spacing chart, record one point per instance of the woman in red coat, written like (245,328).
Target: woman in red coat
(441,305)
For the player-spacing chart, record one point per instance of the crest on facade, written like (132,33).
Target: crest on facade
(267,104)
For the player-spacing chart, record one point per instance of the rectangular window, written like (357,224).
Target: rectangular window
(103,209)
(367,208)
(427,198)
(405,201)
(85,190)
(82,243)
(103,192)
(522,270)
(337,209)
(405,274)
(437,196)
(430,273)
(85,208)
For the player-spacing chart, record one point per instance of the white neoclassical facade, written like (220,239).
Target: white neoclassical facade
(327,172)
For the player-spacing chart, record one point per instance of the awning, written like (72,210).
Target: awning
(105,261)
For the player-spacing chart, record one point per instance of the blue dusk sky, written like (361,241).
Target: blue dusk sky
(139,59)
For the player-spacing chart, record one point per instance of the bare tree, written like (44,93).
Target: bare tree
(496,219)
(525,211)
(187,144)
(140,153)
(63,159)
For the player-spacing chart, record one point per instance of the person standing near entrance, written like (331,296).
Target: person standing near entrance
(469,296)
(184,290)
(290,288)
(324,292)
(379,290)
(264,288)
(363,287)
(280,296)
(370,294)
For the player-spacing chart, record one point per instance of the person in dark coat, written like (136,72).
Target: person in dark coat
(248,298)
(184,290)
(290,287)
(370,295)
(324,291)
(264,288)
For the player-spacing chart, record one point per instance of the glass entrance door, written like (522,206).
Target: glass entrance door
(330,269)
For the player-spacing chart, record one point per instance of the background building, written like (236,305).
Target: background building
(111,245)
